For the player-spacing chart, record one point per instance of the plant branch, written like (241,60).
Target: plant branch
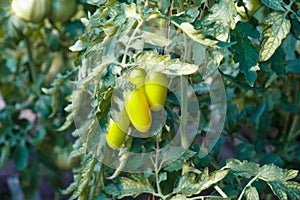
(31,61)
(130,41)
(248,184)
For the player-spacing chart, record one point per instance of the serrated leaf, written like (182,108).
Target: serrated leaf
(220,21)
(130,11)
(277,28)
(123,155)
(164,64)
(274,4)
(213,61)
(285,190)
(132,186)
(196,35)
(188,184)
(271,173)
(244,169)
(82,178)
(154,39)
(251,193)
(54,92)
(246,54)
(171,154)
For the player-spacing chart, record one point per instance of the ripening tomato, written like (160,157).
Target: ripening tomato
(156,88)
(31,10)
(62,10)
(117,131)
(137,77)
(136,103)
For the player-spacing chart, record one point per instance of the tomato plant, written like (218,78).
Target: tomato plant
(225,77)
(33,54)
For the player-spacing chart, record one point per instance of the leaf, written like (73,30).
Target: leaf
(245,169)
(271,173)
(79,45)
(154,39)
(82,177)
(221,19)
(4,155)
(162,177)
(246,54)
(188,185)
(133,186)
(171,154)
(251,193)
(179,197)
(277,28)
(54,91)
(130,11)
(196,35)
(213,61)
(164,64)
(274,4)
(21,157)
(278,62)
(285,190)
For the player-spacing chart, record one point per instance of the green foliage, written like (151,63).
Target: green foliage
(66,76)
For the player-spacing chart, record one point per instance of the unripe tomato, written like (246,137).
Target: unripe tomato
(62,10)
(156,88)
(31,10)
(136,103)
(117,131)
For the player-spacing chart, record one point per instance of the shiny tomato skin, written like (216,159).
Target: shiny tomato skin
(156,88)
(31,10)
(62,10)
(137,77)
(115,136)
(138,109)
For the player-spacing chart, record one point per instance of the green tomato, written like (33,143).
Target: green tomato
(117,131)
(31,10)
(156,88)
(136,103)
(62,10)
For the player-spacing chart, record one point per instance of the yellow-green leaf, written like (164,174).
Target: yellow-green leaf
(277,28)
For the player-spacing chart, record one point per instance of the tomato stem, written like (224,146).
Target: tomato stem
(31,61)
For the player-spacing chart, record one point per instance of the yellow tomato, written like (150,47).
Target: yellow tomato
(136,103)
(138,110)
(137,77)
(156,88)
(117,131)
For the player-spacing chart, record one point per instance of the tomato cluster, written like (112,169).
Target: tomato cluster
(37,10)
(149,94)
